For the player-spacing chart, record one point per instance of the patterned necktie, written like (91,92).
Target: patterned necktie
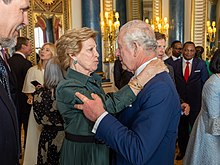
(5,58)
(186,74)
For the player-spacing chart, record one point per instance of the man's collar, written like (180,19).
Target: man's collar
(138,71)
(17,52)
(175,58)
(190,61)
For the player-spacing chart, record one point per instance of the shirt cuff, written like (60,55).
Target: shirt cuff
(98,121)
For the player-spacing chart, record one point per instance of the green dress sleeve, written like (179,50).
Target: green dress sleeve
(117,101)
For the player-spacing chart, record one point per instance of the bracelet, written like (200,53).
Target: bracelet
(135,84)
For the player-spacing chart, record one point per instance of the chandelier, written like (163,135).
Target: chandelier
(211,30)
(159,25)
(109,29)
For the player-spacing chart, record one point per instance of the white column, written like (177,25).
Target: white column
(76,13)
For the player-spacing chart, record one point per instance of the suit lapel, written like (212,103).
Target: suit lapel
(194,66)
(10,106)
(180,67)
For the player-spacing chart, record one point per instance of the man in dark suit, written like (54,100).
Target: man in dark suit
(121,76)
(13,17)
(145,132)
(8,130)
(176,52)
(189,83)
(161,45)
(19,66)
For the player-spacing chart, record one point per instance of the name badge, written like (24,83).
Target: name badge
(196,71)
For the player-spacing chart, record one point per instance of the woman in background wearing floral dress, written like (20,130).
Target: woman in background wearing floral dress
(46,114)
(35,73)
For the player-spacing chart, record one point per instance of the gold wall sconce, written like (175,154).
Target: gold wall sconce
(109,29)
(160,25)
(211,31)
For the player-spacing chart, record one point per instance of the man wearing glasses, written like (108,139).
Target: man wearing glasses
(176,52)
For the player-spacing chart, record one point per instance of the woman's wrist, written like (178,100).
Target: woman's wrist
(144,77)
(134,83)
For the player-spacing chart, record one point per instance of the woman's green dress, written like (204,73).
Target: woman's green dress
(75,123)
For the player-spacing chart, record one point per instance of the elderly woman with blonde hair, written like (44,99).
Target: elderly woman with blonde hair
(35,73)
(77,53)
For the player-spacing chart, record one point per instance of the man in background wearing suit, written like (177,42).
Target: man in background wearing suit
(144,133)
(176,52)
(190,76)
(161,45)
(13,17)
(121,76)
(20,65)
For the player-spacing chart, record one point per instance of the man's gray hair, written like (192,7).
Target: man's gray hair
(140,32)
(7,1)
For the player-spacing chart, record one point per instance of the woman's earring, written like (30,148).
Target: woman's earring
(75,61)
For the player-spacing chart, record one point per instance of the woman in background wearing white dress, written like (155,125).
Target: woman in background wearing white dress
(204,143)
(35,73)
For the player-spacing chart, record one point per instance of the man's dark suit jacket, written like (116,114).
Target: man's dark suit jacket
(191,91)
(145,133)
(8,130)
(169,61)
(19,66)
(121,76)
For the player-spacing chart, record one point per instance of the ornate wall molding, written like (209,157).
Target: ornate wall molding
(198,25)
(157,8)
(59,9)
(134,10)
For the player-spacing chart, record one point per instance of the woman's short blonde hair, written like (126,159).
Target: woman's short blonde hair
(52,48)
(71,43)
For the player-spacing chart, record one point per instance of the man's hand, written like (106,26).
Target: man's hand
(92,109)
(185,108)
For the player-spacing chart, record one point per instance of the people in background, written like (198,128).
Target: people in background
(176,52)
(161,45)
(190,75)
(77,53)
(199,53)
(160,51)
(47,115)
(19,64)
(145,132)
(168,52)
(35,73)
(204,142)
(121,76)
(13,18)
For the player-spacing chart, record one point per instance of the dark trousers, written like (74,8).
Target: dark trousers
(185,126)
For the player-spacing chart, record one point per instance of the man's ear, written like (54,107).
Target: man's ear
(23,46)
(135,47)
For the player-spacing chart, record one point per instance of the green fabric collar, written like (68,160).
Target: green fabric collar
(95,78)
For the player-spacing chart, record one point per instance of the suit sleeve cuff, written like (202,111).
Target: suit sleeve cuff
(98,121)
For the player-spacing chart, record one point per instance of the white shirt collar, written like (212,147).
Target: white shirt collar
(175,58)
(20,54)
(190,61)
(138,71)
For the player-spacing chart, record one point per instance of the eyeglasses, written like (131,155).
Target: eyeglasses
(178,48)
